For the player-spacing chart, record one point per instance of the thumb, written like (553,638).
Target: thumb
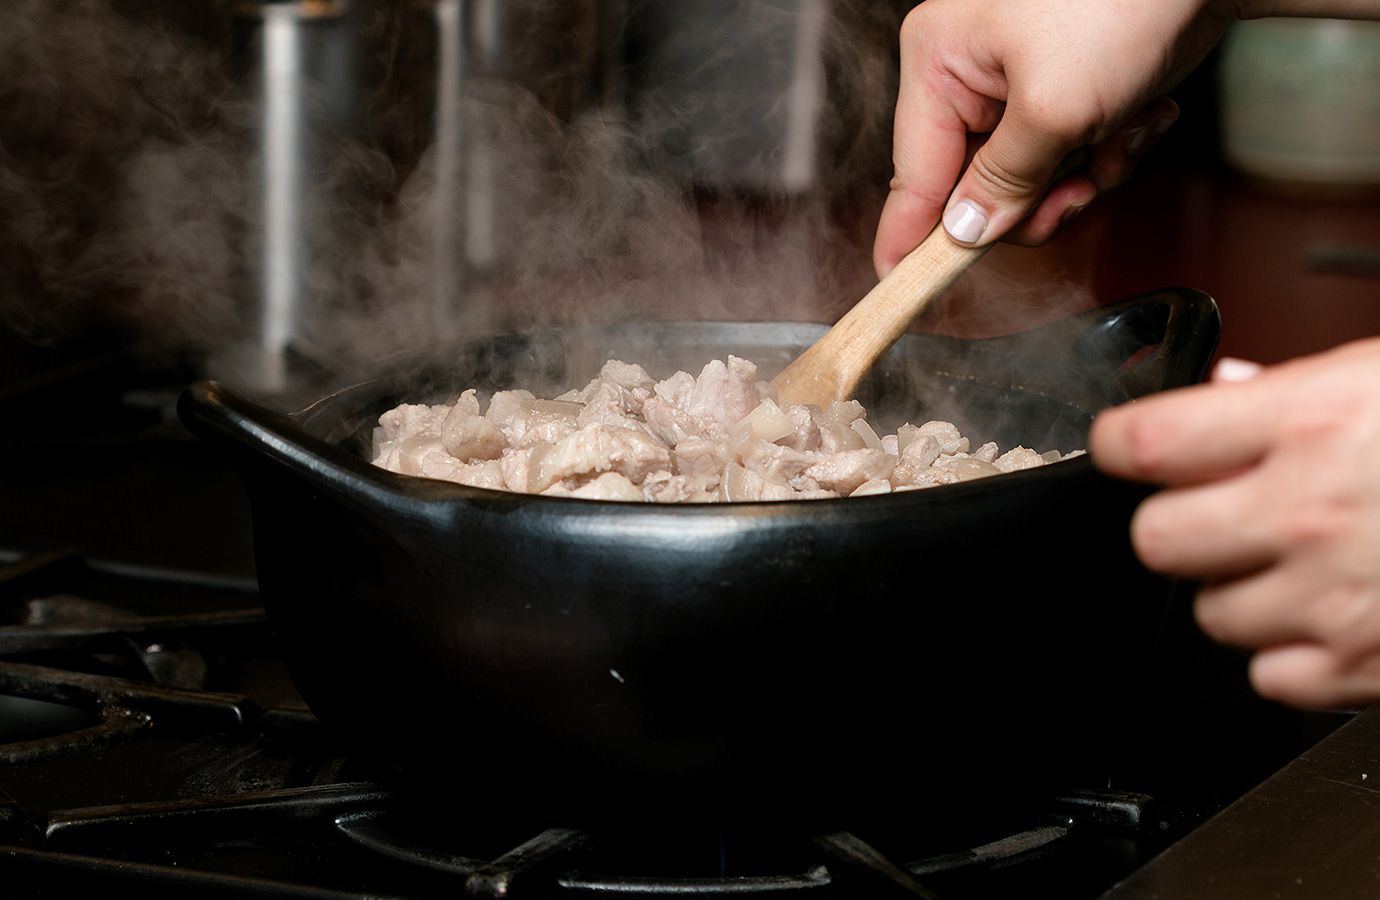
(1006,178)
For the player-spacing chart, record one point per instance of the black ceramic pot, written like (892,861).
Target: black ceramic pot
(827,658)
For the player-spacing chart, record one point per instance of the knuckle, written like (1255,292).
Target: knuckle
(1302,675)
(1317,522)
(1271,685)
(922,193)
(1003,180)
(1064,112)
(1215,619)
(1146,450)
(1347,618)
(1316,424)
(1152,539)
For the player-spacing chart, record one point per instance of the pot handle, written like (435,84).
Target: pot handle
(254,435)
(1153,342)
(1107,355)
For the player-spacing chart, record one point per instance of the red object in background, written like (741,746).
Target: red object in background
(1293,272)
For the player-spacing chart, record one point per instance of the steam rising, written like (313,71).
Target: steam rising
(118,177)
(578,181)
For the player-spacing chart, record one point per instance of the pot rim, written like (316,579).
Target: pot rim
(216,413)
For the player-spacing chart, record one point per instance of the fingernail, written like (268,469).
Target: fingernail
(1071,213)
(965,223)
(1229,368)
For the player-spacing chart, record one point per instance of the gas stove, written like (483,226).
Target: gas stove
(150,735)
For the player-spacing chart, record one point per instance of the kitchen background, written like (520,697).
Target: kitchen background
(267,185)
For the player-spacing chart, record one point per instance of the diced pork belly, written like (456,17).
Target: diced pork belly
(525,419)
(697,458)
(806,434)
(628,376)
(516,465)
(875,486)
(610,404)
(548,421)
(724,392)
(485,474)
(406,455)
(469,436)
(410,420)
(777,464)
(675,389)
(669,422)
(987,452)
(594,449)
(946,433)
(666,487)
(741,485)
(921,452)
(845,411)
(719,437)
(1018,458)
(948,469)
(836,431)
(766,421)
(906,476)
(608,486)
(848,470)
(505,407)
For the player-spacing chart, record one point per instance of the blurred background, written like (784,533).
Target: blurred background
(267,187)
(276,193)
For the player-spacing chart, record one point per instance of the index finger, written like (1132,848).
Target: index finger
(930,147)
(1187,435)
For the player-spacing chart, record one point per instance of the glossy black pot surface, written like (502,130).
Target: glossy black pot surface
(829,659)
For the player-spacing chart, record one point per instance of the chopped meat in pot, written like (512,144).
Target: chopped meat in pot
(713,438)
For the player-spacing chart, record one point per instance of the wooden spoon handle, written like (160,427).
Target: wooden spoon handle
(831,369)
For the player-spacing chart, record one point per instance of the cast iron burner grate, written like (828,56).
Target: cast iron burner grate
(566,862)
(557,862)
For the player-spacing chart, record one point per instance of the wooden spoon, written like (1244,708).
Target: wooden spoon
(832,367)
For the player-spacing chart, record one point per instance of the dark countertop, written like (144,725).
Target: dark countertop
(1310,831)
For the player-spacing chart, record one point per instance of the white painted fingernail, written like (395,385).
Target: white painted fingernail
(1229,368)
(965,223)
